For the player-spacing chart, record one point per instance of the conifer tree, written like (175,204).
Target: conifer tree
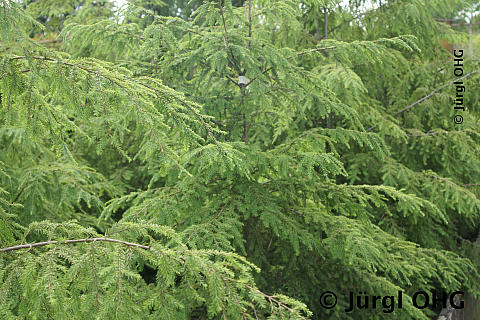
(233,159)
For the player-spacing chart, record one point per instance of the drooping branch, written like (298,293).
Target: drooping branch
(433,92)
(117,81)
(381,6)
(41,244)
(428,95)
(225,35)
(271,299)
(315,50)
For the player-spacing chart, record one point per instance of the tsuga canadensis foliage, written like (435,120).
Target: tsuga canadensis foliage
(233,159)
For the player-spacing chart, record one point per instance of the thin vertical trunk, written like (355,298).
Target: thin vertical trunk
(470,36)
(244,116)
(245,122)
(325,36)
(249,20)
(325,27)
(245,129)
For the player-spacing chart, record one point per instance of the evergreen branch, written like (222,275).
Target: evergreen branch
(119,284)
(45,41)
(152,131)
(45,243)
(434,91)
(206,223)
(304,192)
(402,41)
(263,72)
(59,61)
(432,132)
(447,180)
(199,117)
(249,22)
(234,64)
(316,50)
(116,81)
(354,18)
(94,271)
(428,95)
(49,41)
(233,81)
(272,300)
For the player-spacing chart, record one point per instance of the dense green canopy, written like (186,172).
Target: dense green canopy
(235,159)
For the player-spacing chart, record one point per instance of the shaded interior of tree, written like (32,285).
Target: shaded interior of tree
(239,159)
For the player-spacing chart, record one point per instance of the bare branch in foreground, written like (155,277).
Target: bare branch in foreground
(41,244)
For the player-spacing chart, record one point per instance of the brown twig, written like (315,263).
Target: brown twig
(354,18)
(315,50)
(41,244)
(428,95)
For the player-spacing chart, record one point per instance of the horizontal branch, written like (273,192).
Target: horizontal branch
(315,50)
(116,80)
(62,62)
(49,41)
(271,299)
(429,95)
(354,18)
(435,91)
(472,185)
(41,244)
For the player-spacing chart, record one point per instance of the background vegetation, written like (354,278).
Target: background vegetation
(233,159)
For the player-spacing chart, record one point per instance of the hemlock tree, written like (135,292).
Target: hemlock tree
(233,159)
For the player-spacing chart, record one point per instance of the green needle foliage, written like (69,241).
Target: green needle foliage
(233,159)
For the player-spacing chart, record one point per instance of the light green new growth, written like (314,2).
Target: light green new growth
(232,159)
